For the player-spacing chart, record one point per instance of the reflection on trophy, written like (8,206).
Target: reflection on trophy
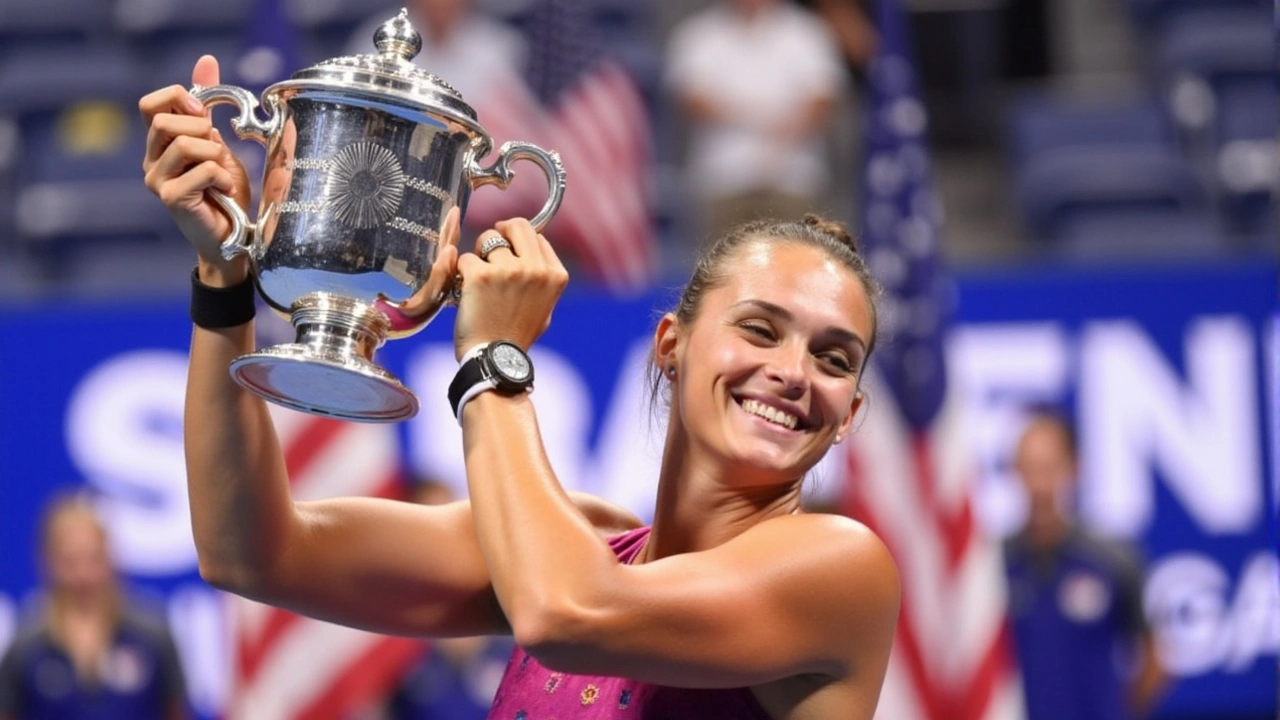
(370,163)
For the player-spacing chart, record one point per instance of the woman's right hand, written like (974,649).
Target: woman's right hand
(185,157)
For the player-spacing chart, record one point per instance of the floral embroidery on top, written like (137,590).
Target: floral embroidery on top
(522,715)
(553,682)
(524,662)
(624,700)
(590,694)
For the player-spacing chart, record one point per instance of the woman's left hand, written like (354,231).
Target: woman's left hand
(509,294)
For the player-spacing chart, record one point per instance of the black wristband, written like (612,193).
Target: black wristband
(216,308)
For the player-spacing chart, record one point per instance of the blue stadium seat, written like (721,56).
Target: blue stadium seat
(46,78)
(1047,122)
(33,24)
(171,34)
(174,61)
(1152,16)
(154,17)
(1219,45)
(344,14)
(1147,235)
(1057,188)
(79,178)
(1247,158)
(325,27)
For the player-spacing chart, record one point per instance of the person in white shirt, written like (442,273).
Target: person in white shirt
(757,80)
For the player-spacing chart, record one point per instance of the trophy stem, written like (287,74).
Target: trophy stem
(330,370)
(330,324)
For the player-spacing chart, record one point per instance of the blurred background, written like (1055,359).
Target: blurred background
(1071,203)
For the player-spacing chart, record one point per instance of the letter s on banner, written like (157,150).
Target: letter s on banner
(124,434)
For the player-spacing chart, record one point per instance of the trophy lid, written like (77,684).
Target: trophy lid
(390,72)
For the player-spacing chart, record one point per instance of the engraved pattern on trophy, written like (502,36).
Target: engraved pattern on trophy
(366,185)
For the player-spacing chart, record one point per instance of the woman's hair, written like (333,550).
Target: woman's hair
(709,273)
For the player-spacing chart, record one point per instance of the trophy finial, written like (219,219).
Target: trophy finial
(397,38)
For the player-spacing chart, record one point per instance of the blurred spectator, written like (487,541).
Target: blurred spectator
(1081,635)
(457,677)
(758,80)
(86,652)
(473,53)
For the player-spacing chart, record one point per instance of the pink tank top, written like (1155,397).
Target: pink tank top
(531,692)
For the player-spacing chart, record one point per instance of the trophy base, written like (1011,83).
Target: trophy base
(329,370)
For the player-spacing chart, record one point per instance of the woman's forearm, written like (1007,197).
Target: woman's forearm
(239,492)
(544,557)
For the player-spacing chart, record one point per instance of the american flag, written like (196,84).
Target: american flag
(580,101)
(908,469)
(290,667)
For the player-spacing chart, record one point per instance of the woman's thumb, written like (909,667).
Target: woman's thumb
(205,73)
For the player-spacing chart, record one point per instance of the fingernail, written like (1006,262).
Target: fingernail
(194,105)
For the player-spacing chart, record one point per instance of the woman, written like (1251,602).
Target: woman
(734,604)
(87,653)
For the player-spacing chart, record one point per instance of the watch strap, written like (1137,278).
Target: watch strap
(470,373)
(484,385)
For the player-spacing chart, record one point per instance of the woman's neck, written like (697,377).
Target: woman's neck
(702,503)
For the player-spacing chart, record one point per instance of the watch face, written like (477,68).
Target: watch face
(511,362)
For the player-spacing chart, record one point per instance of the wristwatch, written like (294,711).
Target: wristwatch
(499,365)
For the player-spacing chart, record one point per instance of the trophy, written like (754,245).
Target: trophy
(370,164)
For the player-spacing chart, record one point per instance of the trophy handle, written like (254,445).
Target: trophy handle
(247,127)
(500,174)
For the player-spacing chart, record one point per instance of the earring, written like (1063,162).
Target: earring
(671,371)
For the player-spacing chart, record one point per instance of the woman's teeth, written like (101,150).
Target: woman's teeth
(771,414)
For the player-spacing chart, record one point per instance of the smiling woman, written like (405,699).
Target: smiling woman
(734,603)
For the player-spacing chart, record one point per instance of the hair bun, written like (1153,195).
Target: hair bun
(834,228)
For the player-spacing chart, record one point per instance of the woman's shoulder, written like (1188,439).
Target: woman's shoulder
(828,528)
(833,546)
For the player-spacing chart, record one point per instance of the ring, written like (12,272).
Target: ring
(491,243)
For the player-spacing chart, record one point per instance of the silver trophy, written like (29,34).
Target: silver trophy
(370,164)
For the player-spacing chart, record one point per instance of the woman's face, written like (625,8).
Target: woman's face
(76,555)
(767,376)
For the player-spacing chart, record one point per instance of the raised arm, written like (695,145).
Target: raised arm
(369,563)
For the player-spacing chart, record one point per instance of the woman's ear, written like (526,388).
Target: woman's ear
(666,341)
(857,412)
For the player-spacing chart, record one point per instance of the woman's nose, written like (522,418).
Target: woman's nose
(789,367)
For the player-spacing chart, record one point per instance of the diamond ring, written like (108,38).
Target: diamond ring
(491,243)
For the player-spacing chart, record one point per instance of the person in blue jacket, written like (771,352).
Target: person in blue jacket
(1080,632)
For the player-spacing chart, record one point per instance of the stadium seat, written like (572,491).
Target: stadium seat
(1042,123)
(1127,234)
(79,178)
(320,14)
(1204,55)
(149,17)
(1056,188)
(41,79)
(34,24)
(1152,16)
(1219,45)
(170,35)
